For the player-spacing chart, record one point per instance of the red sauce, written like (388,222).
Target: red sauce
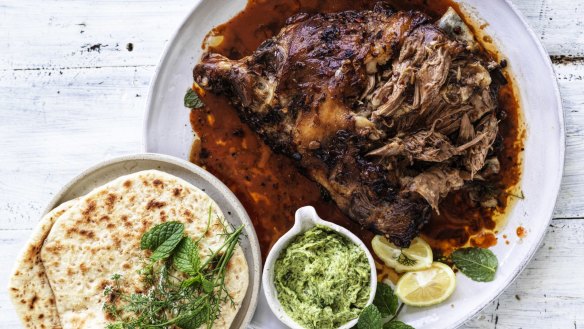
(483,240)
(269,185)
(386,273)
(521,233)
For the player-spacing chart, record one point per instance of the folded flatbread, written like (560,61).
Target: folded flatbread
(99,236)
(29,287)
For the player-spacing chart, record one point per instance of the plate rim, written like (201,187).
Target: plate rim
(561,142)
(205,175)
(162,59)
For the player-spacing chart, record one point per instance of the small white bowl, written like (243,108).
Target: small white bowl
(305,219)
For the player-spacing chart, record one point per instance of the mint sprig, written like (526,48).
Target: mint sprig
(186,257)
(370,318)
(477,263)
(385,300)
(382,314)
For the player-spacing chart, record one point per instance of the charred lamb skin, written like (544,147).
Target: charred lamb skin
(383,109)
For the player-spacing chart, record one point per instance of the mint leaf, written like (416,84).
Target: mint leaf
(159,233)
(385,300)
(186,256)
(397,325)
(476,263)
(195,318)
(195,280)
(370,318)
(192,100)
(208,286)
(162,239)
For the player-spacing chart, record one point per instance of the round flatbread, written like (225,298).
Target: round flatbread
(100,236)
(29,287)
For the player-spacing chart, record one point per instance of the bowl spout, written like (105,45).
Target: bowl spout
(305,218)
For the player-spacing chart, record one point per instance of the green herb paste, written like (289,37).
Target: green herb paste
(322,279)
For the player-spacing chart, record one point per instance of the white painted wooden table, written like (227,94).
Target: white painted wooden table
(72,94)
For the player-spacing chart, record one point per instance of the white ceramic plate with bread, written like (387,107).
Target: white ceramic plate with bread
(126,181)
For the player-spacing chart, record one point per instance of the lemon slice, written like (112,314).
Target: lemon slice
(417,257)
(426,287)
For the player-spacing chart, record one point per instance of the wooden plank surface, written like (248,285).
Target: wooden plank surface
(559,25)
(67,103)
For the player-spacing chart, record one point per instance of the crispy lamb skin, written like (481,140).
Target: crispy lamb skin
(381,108)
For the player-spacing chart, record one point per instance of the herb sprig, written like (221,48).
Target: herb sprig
(182,289)
(405,260)
(383,313)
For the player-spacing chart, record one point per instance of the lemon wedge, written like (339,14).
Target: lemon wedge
(426,287)
(417,257)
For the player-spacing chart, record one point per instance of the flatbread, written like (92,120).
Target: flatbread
(29,287)
(100,235)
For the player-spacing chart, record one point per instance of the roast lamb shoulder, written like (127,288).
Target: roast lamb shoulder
(384,109)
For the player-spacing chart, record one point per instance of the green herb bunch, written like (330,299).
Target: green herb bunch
(182,289)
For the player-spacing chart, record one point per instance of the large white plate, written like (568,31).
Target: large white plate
(167,131)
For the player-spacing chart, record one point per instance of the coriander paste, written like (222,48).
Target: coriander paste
(322,279)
